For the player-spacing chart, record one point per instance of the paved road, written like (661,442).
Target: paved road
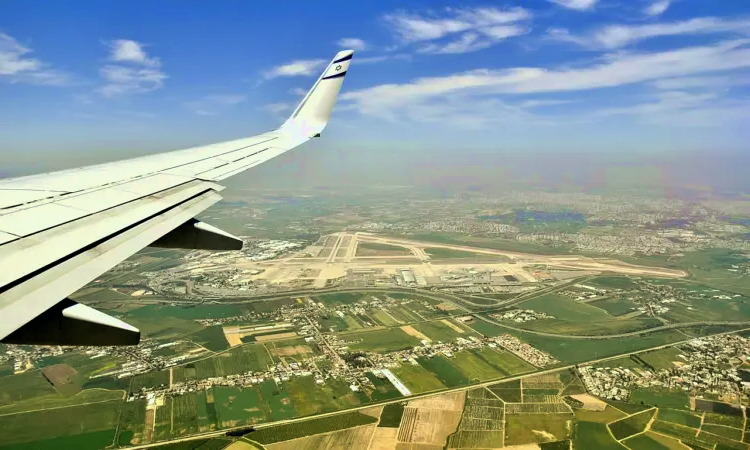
(613,336)
(426,394)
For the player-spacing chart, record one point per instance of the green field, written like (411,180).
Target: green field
(377,249)
(629,408)
(447,253)
(505,361)
(54,423)
(311,427)
(309,398)
(612,282)
(444,371)
(568,309)
(679,417)
(381,340)
(438,331)
(209,311)
(590,435)
(616,306)
(391,415)
(85,441)
(519,429)
(578,350)
(610,414)
(604,328)
(670,429)
(724,419)
(341,298)
(382,389)
(645,442)
(662,358)
(631,425)
(247,358)
(24,386)
(237,406)
(417,378)
(132,421)
(660,397)
(383,318)
(474,367)
(56,401)
(721,430)
(212,338)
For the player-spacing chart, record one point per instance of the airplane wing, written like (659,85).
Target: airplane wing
(61,230)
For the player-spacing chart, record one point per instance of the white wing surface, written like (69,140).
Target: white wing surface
(59,231)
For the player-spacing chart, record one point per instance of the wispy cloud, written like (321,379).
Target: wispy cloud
(353,44)
(617,36)
(17,66)
(658,7)
(381,58)
(125,50)
(704,82)
(277,108)
(394,101)
(458,30)
(212,105)
(134,72)
(300,67)
(580,5)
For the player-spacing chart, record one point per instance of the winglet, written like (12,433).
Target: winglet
(312,114)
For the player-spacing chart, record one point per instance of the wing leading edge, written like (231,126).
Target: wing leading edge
(61,230)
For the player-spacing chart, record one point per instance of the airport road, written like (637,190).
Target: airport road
(613,336)
(423,395)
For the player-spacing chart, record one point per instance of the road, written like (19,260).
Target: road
(613,336)
(424,395)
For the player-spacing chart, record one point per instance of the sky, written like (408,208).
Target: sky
(430,81)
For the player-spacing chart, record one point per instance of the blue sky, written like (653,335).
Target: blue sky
(105,80)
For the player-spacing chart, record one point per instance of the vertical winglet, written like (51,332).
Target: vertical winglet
(313,112)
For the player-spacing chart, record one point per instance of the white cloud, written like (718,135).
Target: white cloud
(301,67)
(121,80)
(468,29)
(353,44)
(134,73)
(277,108)
(617,36)
(580,5)
(212,105)
(393,101)
(125,50)
(657,8)
(16,66)
(679,108)
(706,82)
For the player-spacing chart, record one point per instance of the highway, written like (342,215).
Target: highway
(423,395)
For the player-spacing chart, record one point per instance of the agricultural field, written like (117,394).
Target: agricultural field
(612,283)
(380,340)
(311,427)
(527,428)
(309,398)
(132,421)
(721,430)
(56,423)
(609,414)
(685,418)
(382,389)
(341,298)
(246,358)
(212,338)
(678,431)
(567,309)
(84,441)
(646,441)
(594,436)
(578,350)
(446,372)
(391,415)
(474,367)
(57,401)
(662,398)
(417,378)
(631,425)
(663,358)
(723,419)
(437,330)
(384,318)
(357,438)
